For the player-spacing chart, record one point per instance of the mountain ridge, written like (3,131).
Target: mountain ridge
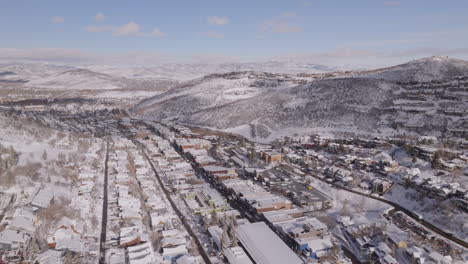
(367,102)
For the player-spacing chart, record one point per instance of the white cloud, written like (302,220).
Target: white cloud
(129,29)
(220,21)
(100,17)
(157,33)
(126,30)
(57,19)
(280,24)
(306,3)
(98,28)
(212,34)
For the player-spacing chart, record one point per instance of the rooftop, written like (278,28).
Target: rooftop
(236,255)
(264,245)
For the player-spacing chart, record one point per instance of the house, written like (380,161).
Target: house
(186,259)
(172,241)
(130,236)
(67,239)
(12,239)
(438,258)
(344,220)
(42,198)
(381,186)
(216,232)
(141,254)
(220,173)
(174,252)
(339,174)
(23,220)
(236,255)
(66,230)
(305,234)
(416,255)
(382,254)
(50,256)
(364,244)
(396,242)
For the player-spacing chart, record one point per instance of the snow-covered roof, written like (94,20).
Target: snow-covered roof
(141,254)
(175,251)
(50,256)
(216,233)
(172,241)
(236,255)
(170,232)
(9,237)
(319,244)
(21,222)
(42,198)
(67,238)
(264,245)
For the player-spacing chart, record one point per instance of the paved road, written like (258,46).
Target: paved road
(205,256)
(404,210)
(102,241)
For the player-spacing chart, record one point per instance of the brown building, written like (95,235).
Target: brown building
(271,156)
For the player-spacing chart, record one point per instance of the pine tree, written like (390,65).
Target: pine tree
(233,220)
(10,178)
(224,221)
(214,218)
(225,241)
(13,157)
(436,163)
(345,209)
(206,223)
(232,235)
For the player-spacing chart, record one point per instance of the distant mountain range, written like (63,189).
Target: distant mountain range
(427,96)
(265,100)
(184,72)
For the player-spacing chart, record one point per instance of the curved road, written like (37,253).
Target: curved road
(404,210)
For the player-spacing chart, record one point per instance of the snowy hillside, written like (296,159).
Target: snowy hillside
(264,106)
(214,91)
(28,72)
(184,72)
(44,81)
(427,69)
(77,79)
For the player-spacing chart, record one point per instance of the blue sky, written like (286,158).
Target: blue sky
(247,29)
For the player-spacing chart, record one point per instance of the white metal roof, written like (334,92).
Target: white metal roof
(264,245)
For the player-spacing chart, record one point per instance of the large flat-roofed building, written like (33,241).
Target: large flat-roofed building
(264,246)
(256,197)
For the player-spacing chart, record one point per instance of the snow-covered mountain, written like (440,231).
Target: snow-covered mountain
(422,70)
(27,72)
(62,78)
(267,105)
(78,79)
(184,72)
